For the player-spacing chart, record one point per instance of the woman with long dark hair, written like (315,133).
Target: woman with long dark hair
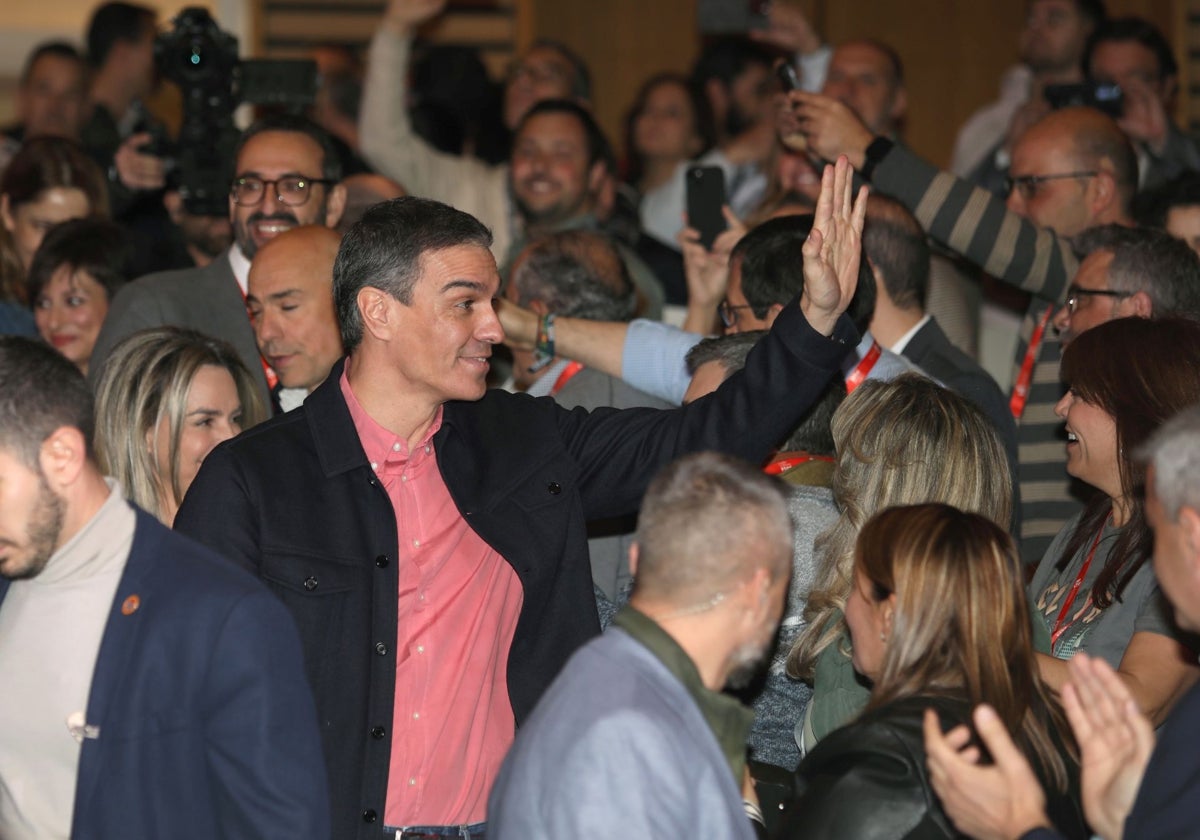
(1093,590)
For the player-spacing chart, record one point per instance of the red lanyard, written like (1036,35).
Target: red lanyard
(268,371)
(781,465)
(863,368)
(565,377)
(1020,392)
(1059,626)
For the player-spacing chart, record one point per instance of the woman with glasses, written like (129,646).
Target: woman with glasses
(1094,589)
(938,622)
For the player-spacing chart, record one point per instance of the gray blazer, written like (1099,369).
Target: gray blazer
(207,299)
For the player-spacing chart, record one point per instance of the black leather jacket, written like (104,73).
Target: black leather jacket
(869,781)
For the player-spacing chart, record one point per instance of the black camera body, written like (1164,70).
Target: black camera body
(203,61)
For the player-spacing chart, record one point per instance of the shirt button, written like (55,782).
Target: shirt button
(310,583)
(381,561)
(554,487)
(404,478)
(374,465)
(396,447)
(369,816)
(428,449)
(378,732)
(416,543)
(420,648)
(416,715)
(381,648)
(412,781)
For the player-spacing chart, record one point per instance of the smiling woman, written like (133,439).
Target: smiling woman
(166,398)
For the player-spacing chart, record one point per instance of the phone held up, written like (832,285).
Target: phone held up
(705,197)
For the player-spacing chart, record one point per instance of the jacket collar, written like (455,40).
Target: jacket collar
(334,435)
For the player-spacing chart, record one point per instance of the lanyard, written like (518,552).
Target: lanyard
(1020,392)
(565,377)
(863,368)
(781,465)
(268,372)
(1059,626)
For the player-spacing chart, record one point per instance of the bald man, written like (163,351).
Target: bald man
(290,299)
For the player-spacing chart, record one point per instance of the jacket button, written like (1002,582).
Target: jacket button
(378,732)
(381,648)
(554,487)
(369,816)
(310,583)
(381,561)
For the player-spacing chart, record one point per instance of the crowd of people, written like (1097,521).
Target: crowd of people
(455,483)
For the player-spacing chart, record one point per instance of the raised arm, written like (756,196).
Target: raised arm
(833,248)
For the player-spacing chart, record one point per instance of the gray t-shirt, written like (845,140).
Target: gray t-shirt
(1103,633)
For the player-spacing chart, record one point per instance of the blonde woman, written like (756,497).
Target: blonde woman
(907,441)
(166,398)
(939,620)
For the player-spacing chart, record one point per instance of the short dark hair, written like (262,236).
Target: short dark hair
(581,81)
(331,161)
(1151,207)
(727,58)
(57,49)
(115,22)
(773,270)
(1093,10)
(96,246)
(383,250)
(894,62)
(1134,29)
(599,149)
(40,391)
(1150,261)
(813,434)
(578,274)
(896,244)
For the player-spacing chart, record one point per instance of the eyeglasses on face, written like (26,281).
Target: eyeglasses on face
(1028,185)
(291,190)
(1074,293)
(729,313)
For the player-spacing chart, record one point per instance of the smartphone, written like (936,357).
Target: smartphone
(1103,96)
(705,197)
(786,74)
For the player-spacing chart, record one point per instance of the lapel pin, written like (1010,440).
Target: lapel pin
(131,604)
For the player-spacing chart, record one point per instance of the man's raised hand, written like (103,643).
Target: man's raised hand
(833,249)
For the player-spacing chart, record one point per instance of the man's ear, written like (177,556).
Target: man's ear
(335,205)
(596,176)
(6,215)
(1189,520)
(62,457)
(899,104)
(1140,305)
(375,308)
(1104,190)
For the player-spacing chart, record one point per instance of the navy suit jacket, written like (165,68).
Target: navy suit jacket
(206,725)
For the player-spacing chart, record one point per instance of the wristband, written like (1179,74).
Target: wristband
(876,152)
(543,349)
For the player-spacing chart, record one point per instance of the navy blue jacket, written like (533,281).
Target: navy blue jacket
(206,722)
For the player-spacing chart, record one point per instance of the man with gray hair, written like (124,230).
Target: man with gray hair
(634,738)
(1133,785)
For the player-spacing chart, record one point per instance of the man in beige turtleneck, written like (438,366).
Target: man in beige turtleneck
(151,688)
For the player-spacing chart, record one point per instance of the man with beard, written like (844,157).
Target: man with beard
(634,738)
(287,174)
(557,169)
(154,690)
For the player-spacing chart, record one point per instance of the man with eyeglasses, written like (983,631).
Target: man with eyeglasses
(1072,170)
(287,174)
(547,70)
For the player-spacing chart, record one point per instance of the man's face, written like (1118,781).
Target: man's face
(291,307)
(1175,560)
(1062,203)
(1091,310)
(750,99)
(552,179)
(140,57)
(31,519)
(1183,222)
(543,73)
(445,335)
(861,77)
(1054,35)
(269,156)
(50,101)
(1129,65)
(740,312)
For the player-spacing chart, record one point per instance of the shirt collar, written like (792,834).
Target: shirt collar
(241,268)
(380,444)
(899,346)
(544,385)
(728,719)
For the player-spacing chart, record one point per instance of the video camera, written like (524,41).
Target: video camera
(203,61)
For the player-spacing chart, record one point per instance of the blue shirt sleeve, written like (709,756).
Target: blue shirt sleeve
(654,359)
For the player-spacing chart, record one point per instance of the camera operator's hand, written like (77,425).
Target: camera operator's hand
(707,272)
(829,126)
(403,16)
(1145,116)
(136,169)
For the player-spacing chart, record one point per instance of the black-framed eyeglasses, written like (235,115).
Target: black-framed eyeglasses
(729,313)
(1074,293)
(1028,185)
(291,190)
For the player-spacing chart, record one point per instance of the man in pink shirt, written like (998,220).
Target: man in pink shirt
(429,535)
